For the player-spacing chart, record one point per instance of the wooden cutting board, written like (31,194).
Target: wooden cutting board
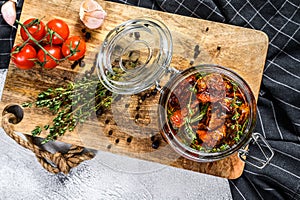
(240,49)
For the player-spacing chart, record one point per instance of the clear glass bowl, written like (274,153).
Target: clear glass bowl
(134,55)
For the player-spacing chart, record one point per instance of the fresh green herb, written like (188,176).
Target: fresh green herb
(170,112)
(72,104)
(238,136)
(238,102)
(240,131)
(197,147)
(236,116)
(24,105)
(224,147)
(234,85)
(36,131)
(244,125)
(201,115)
(191,112)
(193,89)
(189,130)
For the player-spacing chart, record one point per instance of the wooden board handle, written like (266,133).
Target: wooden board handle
(13,114)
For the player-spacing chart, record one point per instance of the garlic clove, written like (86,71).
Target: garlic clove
(90,5)
(94,19)
(91,14)
(8,11)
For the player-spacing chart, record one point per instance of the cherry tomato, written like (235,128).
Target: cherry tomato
(35,27)
(74,46)
(46,60)
(23,57)
(58,31)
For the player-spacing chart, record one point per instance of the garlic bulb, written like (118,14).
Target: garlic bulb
(91,14)
(8,11)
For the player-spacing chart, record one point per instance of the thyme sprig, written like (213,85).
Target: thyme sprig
(71,104)
(239,129)
(189,119)
(202,114)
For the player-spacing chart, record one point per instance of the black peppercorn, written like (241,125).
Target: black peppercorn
(196,51)
(108,93)
(152,138)
(155,144)
(192,62)
(81,63)
(88,35)
(117,141)
(110,132)
(129,139)
(99,112)
(87,74)
(137,35)
(143,97)
(154,92)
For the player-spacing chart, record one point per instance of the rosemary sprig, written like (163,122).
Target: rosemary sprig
(72,104)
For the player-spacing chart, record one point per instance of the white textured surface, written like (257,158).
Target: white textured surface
(107,176)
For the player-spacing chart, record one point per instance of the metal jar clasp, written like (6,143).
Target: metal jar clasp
(266,152)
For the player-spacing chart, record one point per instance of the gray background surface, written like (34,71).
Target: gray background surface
(107,176)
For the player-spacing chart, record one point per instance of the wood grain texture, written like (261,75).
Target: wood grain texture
(240,49)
